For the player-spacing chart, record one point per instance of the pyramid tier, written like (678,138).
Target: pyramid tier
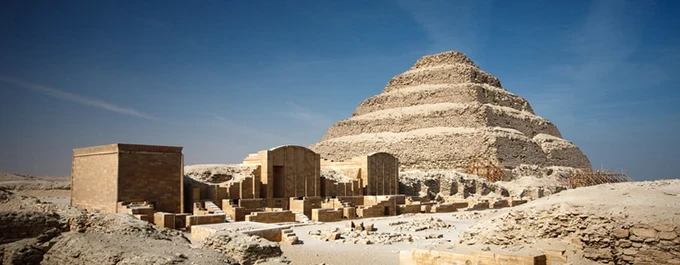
(561,152)
(443,115)
(443,93)
(455,148)
(452,73)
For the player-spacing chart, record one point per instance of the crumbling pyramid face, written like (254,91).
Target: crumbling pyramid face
(445,112)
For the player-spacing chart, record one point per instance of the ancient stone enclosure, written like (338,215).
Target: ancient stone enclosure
(283,185)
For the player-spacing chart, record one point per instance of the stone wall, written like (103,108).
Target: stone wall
(428,257)
(166,220)
(327,215)
(94,175)
(408,208)
(370,211)
(205,219)
(444,208)
(271,217)
(152,176)
(305,205)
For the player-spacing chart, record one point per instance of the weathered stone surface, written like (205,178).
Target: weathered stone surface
(444,112)
(244,249)
(643,232)
(620,233)
(664,227)
(668,235)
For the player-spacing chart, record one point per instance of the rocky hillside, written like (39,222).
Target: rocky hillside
(624,223)
(33,232)
(444,112)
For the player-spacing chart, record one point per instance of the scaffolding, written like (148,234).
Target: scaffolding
(588,177)
(485,169)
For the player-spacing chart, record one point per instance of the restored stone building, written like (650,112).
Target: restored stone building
(108,177)
(286,171)
(376,173)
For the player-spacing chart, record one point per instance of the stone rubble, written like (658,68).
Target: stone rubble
(430,223)
(365,237)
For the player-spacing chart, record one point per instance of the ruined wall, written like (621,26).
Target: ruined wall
(94,175)
(151,174)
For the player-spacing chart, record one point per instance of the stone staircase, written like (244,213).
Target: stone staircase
(346,204)
(300,217)
(141,210)
(289,237)
(210,206)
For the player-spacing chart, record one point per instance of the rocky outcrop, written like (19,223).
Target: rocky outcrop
(218,173)
(442,114)
(625,223)
(244,249)
(33,232)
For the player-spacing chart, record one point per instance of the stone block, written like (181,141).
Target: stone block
(327,215)
(166,220)
(349,212)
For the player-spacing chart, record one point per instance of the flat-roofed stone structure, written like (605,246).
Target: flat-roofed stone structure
(104,176)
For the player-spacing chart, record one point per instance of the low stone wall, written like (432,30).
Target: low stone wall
(514,203)
(166,220)
(428,257)
(443,208)
(349,213)
(480,205)
(408,208)
(305,205)
(205,219)
(271,217)
(272,234)
(327,215)
(371,211)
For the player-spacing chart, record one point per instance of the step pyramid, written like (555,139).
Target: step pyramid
(444,113)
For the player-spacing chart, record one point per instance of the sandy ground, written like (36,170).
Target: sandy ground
(53,196)
(316,251)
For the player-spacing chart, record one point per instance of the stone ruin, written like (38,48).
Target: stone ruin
(444,113)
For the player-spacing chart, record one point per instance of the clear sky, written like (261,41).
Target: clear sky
(229,78)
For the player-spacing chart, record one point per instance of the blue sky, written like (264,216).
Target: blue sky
(228,78)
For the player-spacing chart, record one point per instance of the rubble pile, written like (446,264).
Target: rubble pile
(430,223)
(475,215)
(367,237)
